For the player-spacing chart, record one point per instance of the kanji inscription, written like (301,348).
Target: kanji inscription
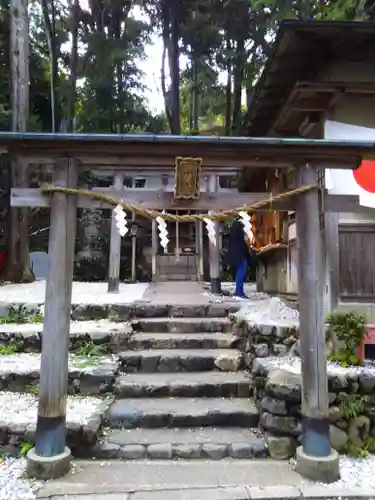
(187,173)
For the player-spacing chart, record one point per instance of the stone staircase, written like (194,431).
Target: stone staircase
(169,384)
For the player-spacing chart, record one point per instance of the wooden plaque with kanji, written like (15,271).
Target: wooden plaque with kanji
(186,182)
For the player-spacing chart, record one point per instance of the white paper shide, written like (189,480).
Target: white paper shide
(246,222)
(211,231)
(120,217)
(163,232)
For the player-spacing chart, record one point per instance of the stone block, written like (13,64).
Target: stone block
(338,438)
(44,468)
(281,447)
(320,469)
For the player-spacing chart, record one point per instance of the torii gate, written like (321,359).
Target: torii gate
(315,458)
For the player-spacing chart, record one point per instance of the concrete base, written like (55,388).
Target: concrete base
(321,469)
(48,467)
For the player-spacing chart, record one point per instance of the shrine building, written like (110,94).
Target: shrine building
(319,82)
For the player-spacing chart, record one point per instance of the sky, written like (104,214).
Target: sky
(151,66)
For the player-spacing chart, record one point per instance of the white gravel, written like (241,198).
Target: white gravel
(76,327)
(293,365)
(20,408)
(355,473)
(12,485)
(24,363)
(264,310)
(83,293)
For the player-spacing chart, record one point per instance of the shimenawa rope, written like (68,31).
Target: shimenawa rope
(152,214)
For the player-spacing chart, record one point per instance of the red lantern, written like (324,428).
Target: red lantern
(365,175)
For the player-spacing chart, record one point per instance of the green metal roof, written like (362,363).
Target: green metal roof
(32,138)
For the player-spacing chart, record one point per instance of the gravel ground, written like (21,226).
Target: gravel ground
(293,365)
(24,363)
(24,408)
(262,309)
(83,293)
(12,485)
(76,327)
(355,473)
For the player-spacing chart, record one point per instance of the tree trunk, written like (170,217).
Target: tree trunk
(164,85)
(228,95)
(73,67)
(17,262)
(195,95)
(239,67)
(174,70)
(191,108)
(49,24)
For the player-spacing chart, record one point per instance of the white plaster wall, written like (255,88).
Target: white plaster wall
(342,181)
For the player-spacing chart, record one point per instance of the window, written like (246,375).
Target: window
(140,183)
(228,181)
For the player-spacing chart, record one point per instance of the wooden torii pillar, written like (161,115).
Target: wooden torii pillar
(316,460)
(51,458)
(214,250)
(115,242)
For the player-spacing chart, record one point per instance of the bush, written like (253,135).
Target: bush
(349,329)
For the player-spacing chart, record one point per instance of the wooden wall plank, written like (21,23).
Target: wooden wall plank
(357,262)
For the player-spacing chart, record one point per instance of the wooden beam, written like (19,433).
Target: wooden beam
(334,86)
(133,171)
(157,200)
(316,442)
(115,243)
(332,253)
(50,432)
(345,203)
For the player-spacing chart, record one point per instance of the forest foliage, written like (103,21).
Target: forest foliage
(84,60)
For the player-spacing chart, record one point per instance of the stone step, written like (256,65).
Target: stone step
(143,309)
(190,385)
(177,277)
(180,360)
(203,340)
(108,337)
(126,311)
(182,412)
(208,443)
(182,325)
(18,415)
(84,336)
(87,376)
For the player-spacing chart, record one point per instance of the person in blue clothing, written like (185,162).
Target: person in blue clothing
(240,255)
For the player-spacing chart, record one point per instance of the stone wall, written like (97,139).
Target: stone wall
(262,341)
(277,393)
(265,326)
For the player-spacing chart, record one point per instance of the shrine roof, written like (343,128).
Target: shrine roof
(153,151)
(302,49)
